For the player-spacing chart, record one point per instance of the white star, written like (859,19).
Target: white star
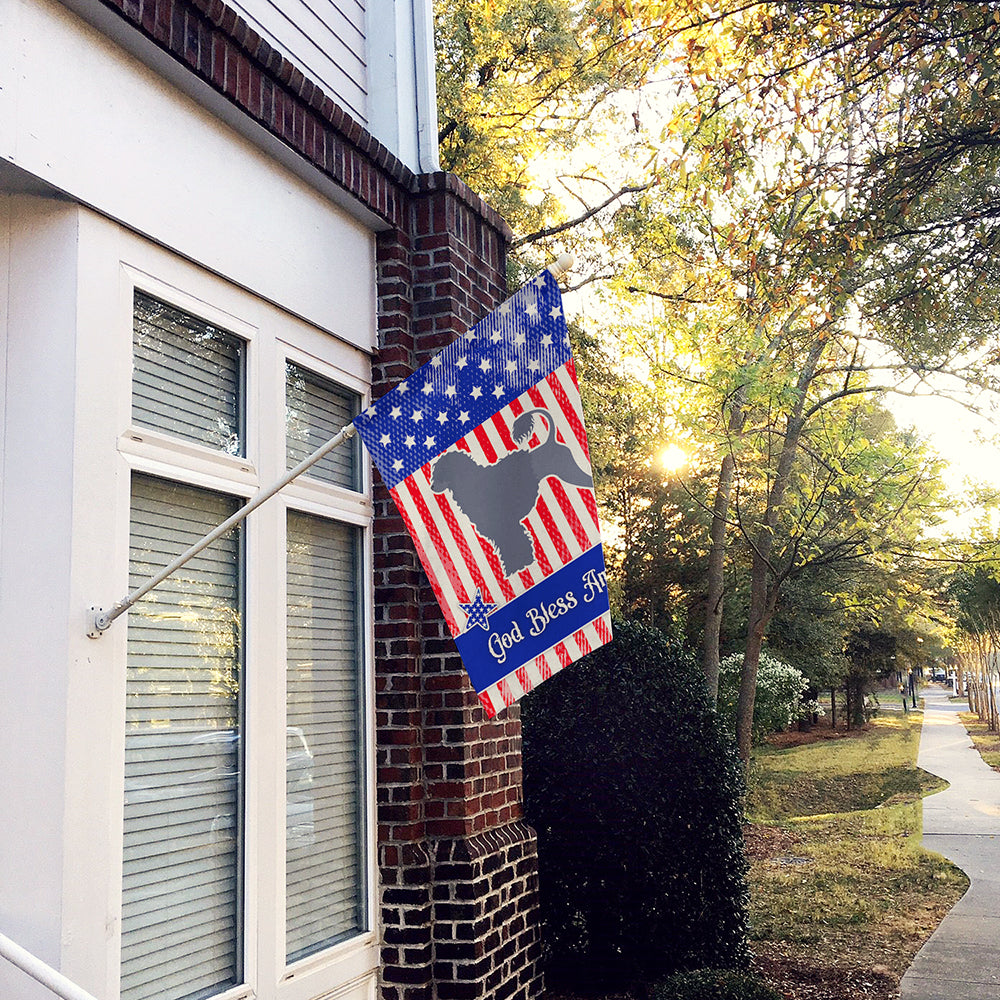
(410,441)
(462,362)
(428,442)
(546,341)
(485,364)
(505,308)
(395,412)
(497,335)
(533,365)
(539,280)
(436,361)
(418,415)
(450,391)
(427,389)
(555,311)
(476,392)
(512,366)
(519,339)
(470,336)
(442,417)
(464,416)
(532,309)
(384,439)
(397,466)
(403,387)
(498,391)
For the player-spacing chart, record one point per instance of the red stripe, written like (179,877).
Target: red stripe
(505,692)
(527,581)
(553,531)
(484,442)
(563,653)
(426,563)
(438,542)
(500,425)
(542,665)
(570,413)
(487,703)
(580,638)
(579,532)
(463,546)
(591,504)
(525,680)
(543,560)
(603,632)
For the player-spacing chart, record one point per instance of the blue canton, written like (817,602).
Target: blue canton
(515,347)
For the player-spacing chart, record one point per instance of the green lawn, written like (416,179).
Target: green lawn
(838,876)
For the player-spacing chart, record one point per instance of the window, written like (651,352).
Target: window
(207,833)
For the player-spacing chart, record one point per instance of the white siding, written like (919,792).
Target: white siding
(325,39)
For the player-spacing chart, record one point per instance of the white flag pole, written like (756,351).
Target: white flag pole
(101,619)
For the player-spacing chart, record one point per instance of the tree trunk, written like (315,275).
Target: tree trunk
(716,581)
(717,555)
(833,708)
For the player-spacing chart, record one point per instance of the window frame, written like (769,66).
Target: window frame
(272,338)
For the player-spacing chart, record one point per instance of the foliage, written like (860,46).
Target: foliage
(634,791)
(711,984)
(779,691)
(847,883)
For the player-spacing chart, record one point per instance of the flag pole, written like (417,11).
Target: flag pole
(102,619)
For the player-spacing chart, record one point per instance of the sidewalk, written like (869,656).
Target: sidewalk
(961,960)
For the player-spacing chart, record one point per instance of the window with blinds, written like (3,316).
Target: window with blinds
(182,876)
(315,410)
(187,377)
(325,863)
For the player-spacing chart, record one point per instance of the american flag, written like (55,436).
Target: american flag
(485,454)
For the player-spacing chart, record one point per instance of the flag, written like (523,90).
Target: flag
(484,452)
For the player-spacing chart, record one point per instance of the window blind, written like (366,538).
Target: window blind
(187,376)
(315,410)
(181,892)
(325,889)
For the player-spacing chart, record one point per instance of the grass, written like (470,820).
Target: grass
(987,743)
(838,877)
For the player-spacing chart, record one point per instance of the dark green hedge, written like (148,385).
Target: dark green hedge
(713,985)
(634,791)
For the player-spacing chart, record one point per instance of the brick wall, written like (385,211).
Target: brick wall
(458,867)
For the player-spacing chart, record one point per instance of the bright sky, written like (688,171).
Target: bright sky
(959,437)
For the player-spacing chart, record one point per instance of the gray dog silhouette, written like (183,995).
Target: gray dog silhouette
(496,498)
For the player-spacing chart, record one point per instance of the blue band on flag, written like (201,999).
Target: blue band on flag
(527,626)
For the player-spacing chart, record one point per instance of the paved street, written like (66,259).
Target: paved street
(961,961)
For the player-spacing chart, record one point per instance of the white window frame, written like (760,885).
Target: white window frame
(272,337)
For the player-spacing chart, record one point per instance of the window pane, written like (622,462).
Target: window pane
(181,905)
(315,410)
(325,888)
(187,376)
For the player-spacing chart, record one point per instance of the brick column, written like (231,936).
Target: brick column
(459,868)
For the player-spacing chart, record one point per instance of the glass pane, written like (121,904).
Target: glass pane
(325,889)
(187,376)
(315,410)
(181,905)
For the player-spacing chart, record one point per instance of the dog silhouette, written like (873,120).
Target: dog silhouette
(497,497)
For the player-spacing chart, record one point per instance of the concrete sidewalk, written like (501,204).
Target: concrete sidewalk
(961,960)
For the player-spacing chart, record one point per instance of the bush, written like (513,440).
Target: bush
(779,692)
(710,984)
(634,790)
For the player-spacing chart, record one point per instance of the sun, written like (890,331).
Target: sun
(673,458)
